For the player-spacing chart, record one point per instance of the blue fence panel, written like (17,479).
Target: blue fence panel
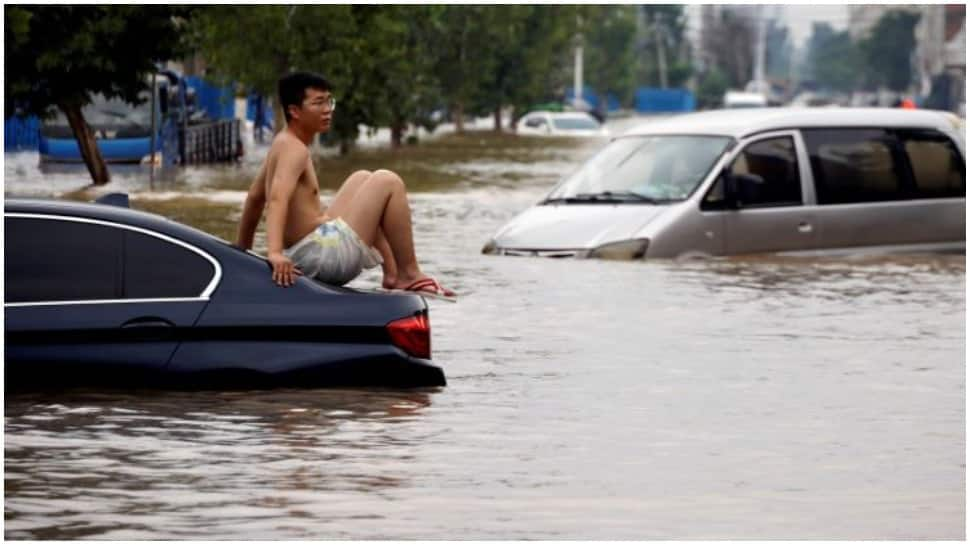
(21,133)
(652,100)
(612,103)
(255,103)
(216,102)
(593,99)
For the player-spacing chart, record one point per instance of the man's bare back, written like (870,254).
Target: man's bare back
(304,210)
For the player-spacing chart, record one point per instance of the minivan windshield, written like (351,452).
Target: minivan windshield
(642,169)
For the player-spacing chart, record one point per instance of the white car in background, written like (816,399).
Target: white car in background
(544,123)
(739,99)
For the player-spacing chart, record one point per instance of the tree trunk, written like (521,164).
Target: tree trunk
(87,144)
(397,135)
(459,113)
(279,119)
(497,116)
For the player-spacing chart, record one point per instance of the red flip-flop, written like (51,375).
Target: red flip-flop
(429,287)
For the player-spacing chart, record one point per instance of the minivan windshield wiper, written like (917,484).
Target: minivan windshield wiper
(606,197)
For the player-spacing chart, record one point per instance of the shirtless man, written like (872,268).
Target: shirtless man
(336,243)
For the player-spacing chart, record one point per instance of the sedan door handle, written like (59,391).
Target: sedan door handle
(148,329)
(147,322)
(805,227)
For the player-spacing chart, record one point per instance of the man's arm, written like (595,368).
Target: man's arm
(290,165)
(252,211)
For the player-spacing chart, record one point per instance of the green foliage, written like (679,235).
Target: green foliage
(532,56)
(62,55)
(833,60)
(667,23)
(778,51)
(888,49)
(711,89)
(610,56)
(729,46)
(391,65)
(256,45)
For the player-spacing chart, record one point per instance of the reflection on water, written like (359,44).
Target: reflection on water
(745,398)
(127,456)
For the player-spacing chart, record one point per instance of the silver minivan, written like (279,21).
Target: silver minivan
(775,180)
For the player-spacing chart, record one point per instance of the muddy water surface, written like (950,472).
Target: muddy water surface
(739,398)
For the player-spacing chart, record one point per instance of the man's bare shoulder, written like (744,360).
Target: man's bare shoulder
(286,145)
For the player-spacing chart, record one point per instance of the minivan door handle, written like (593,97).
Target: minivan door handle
(805,227)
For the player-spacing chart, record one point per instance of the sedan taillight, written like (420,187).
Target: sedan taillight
(412,334)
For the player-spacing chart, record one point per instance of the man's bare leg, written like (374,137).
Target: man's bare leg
(378,205)
(338,207)
(389,266)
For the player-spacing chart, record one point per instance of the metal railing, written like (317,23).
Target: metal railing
(218,141)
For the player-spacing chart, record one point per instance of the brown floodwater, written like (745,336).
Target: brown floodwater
(755,398)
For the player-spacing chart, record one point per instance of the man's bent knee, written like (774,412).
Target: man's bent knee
(357,178)
(388,177)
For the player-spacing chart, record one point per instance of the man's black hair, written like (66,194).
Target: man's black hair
(292,88)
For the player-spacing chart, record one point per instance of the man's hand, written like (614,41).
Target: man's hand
(284,271)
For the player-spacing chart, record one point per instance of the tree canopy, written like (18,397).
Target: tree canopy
(888,50)
(393,65)
(390,65)
(833,61)
(882,59)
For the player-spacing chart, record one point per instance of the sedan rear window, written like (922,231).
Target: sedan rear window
(51,260)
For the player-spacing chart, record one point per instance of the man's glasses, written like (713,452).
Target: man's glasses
(323,103)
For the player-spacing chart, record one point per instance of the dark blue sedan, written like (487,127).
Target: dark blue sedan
(101,294)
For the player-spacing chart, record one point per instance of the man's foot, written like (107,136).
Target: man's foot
(429,287)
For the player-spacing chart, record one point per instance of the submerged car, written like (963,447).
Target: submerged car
(758,181)
(102,294)
(544,123)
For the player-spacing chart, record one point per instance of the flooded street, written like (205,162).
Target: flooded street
(757,398)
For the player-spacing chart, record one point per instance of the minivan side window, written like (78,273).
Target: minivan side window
(54,260)
(936,164)
(773,160)
(854,165)
(156,268)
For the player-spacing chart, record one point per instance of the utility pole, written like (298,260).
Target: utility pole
(578,65)
(660,34)
(759,51)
